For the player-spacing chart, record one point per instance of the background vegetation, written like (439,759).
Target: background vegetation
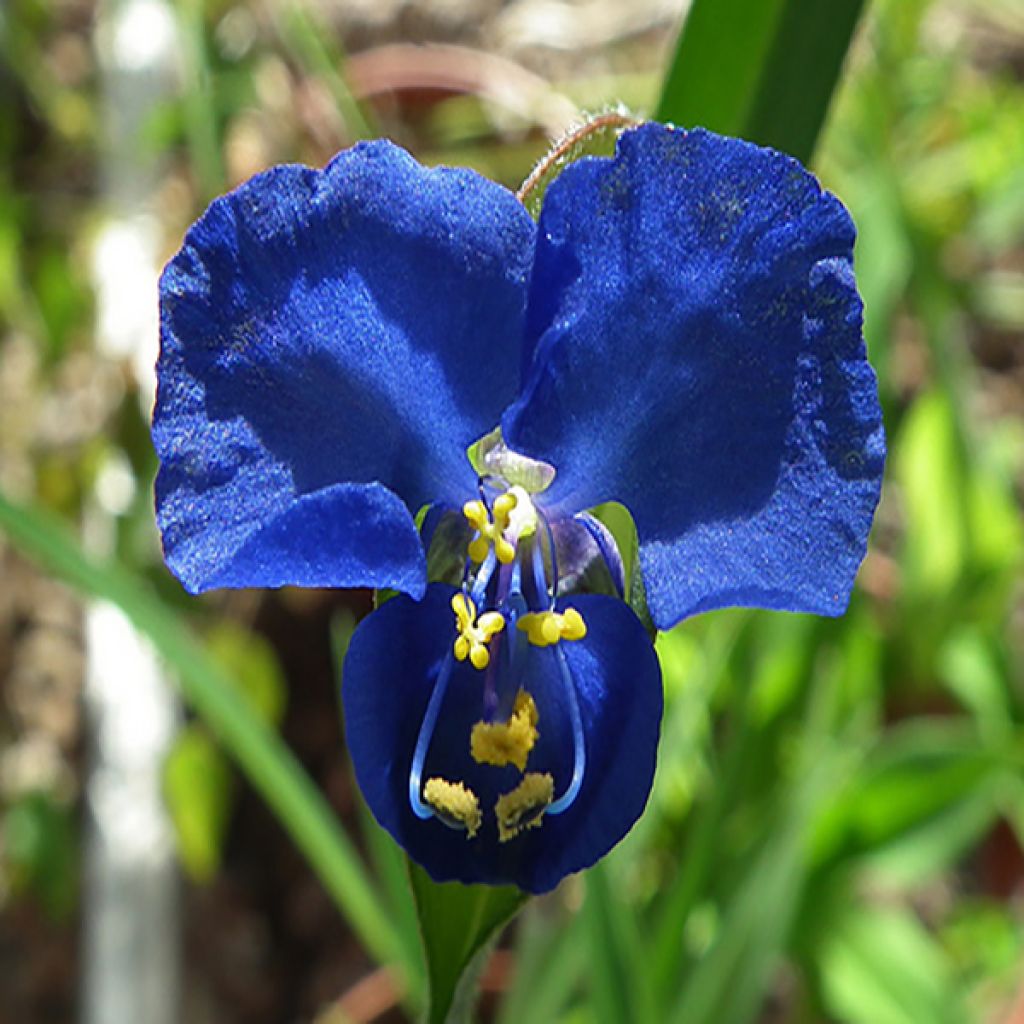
(836,827)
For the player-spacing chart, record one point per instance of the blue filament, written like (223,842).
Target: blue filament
(540,577)
(566,800)
(515,587)
(483,577)
(540,580)
(421,809)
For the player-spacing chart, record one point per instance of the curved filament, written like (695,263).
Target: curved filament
(565,801)
(426,734)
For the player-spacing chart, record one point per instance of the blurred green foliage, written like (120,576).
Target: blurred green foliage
(838,803)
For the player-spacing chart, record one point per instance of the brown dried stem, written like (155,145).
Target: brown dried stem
(602,122)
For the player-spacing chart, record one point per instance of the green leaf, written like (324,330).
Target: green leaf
(928,468)
(457,923)
(197,791)
(924,794)
(730,981)
(40,852)
(260,753)
(619,972)
(551,955)
(616,517)
(248,659)
(315,47)
(202,126)
(763,70)
(880,966)
(391,870)
(970,666)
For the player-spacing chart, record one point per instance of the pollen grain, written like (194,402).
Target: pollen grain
(524,806)
(455,803)
(502,743)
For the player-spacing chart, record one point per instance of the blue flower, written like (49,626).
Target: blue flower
(681,333)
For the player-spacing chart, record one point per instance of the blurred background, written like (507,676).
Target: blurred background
(836,828)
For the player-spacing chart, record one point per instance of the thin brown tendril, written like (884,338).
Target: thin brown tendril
(565,145)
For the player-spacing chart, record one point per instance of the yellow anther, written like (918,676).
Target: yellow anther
(524,807)
(474,633)
(502,743)
(546,628)
(491,531)
(456,803)
(476,513)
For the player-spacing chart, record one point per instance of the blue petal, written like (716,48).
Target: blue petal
(342,536)
(696,345)
(389,674)
(356,326)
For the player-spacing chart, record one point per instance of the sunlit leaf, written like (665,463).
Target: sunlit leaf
(197,791)
(251,663)
(880,966)
(763,70)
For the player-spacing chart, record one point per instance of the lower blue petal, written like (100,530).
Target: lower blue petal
(389,674)
(697,355)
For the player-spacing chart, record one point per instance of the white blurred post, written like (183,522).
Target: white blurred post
(131,960)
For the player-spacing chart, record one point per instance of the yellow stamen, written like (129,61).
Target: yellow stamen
(455,803)
(502,743)
(491,531)
(524,807)
(474,633)
(546,628)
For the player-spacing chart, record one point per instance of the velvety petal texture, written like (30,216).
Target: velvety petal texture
(390,671)
(331,342)
(695,351)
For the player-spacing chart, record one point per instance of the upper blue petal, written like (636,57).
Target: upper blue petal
(695,352)
(389,673)
(359,327)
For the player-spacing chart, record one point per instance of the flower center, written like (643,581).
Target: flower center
(505,609)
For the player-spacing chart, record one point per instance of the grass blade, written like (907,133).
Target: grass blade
(551,958)
(763,70)
(266,760)
(318,52)
(620,984)
(201,122)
